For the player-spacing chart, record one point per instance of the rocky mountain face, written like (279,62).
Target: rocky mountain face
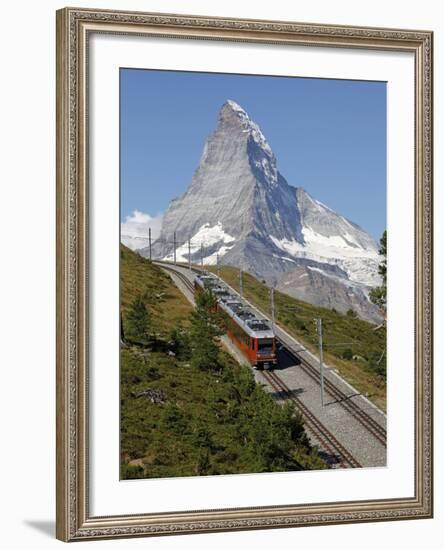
(239,210)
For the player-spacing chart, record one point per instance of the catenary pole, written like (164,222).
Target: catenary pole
(149,240)
(272,307)
(189,253)
(321,359)
(241,286)
(174,248)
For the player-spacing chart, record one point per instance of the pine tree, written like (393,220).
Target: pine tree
(378,295)
(137,322)
(383,252)
(204,331)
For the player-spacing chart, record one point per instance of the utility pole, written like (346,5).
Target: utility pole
(189,253)
(321,358)
(217,264)
(174,248)
(272,307)
(201,254)
(241,288)
(149,239)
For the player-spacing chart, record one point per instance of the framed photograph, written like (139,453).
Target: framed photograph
(244,274)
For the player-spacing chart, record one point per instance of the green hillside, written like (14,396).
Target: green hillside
(178,419)
(350,344)
(139,276)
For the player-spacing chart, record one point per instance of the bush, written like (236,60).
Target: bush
(180,343)
(300,325)
(173,419)
(131,471)
(204,331)
(137,322)
(377,364)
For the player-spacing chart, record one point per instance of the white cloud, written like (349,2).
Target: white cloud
(138,217)
(134,230)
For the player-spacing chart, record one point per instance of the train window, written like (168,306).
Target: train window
(265,344)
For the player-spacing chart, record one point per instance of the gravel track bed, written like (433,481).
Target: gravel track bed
(361,444)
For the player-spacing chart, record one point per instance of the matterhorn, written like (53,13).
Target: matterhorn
(239,210)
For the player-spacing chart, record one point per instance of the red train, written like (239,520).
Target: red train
(253,336)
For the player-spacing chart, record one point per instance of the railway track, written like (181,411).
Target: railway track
(183,278)
(327,440)
(368,422)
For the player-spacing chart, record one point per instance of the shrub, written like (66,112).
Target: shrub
(204,331)
(131,471)
(180,343)
(137,322)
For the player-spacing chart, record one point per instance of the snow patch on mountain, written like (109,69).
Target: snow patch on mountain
(325,206)
(362,270)
(343,246)
(360,264)
(207,237)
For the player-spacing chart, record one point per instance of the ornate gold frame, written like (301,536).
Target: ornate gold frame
(73,519)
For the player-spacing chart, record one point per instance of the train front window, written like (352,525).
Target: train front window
(265,345)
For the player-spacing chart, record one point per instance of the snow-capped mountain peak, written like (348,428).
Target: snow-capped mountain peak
(240,208)
(236,107)
(249,126)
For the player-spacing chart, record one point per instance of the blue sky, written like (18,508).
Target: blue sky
(329,136)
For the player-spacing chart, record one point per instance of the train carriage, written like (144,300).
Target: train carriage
(252,336)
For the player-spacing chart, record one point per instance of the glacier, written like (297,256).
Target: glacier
(207,236)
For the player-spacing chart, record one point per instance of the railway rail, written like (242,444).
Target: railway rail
(367,421)
(327,440)
(183,278)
